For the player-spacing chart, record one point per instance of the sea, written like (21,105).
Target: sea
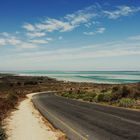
(109,77)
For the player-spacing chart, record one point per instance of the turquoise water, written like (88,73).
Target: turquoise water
(89,76)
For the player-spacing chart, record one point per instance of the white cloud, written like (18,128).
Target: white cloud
(9,41)
(28,27)
(108,49)
(13,41)
(26,45)
(50,25)
(67,23)
(36,34)
(5,34)
(100,30)
(89,33)
(2,41)
(88,24)
(16,42)
(49,39)
(39,41)
(82,16)
(88,54)
(136,38)
(121,11)
(87,17)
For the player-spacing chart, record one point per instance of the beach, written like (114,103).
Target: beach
(103,77)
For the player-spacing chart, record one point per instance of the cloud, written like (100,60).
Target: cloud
(135,38)
(88,25)
(121,11)
(28,27)
(35,34)
(26,45)
(9,41)
(5,34)
(100,30)
(39,41)
(2,42)
(13,41)
(103,50)
(50,25)
(88,17)
(82,16)
(67,23)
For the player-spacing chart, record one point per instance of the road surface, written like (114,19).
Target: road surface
(88,121)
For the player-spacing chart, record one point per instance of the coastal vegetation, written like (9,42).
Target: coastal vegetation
(14,88)
(118,95)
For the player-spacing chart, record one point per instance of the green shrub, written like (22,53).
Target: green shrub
(31,83)
(126,102)
(93,95)
(99,97)
(80,95)
(12,97)
(2,134)
(88,98)
(104,90)
(135,94)
(107,97)
(125,91)
(114,89)
(11,100)
(118,93)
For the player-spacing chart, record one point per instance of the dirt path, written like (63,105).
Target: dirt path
(27,124)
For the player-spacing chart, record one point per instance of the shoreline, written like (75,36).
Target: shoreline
(100,77)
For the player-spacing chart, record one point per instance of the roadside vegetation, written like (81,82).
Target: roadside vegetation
(2,134)
(14,88)
(118,95)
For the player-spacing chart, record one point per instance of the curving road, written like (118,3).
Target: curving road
(88,121)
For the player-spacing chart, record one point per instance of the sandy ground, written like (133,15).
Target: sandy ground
(26,123)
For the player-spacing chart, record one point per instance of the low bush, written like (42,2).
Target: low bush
(135,93)
(2,134)
(99,97)
(125,91)
(120,92)
(107,97)
(126,102)
(114,89)
(31,83)
(89,97)
(80,95)
(12,100)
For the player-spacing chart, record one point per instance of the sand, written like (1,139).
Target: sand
(26,123)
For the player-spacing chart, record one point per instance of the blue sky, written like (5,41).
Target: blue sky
(69,35)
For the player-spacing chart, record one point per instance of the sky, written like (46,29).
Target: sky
(69,35)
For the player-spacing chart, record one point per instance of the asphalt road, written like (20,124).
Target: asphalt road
(88,121)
